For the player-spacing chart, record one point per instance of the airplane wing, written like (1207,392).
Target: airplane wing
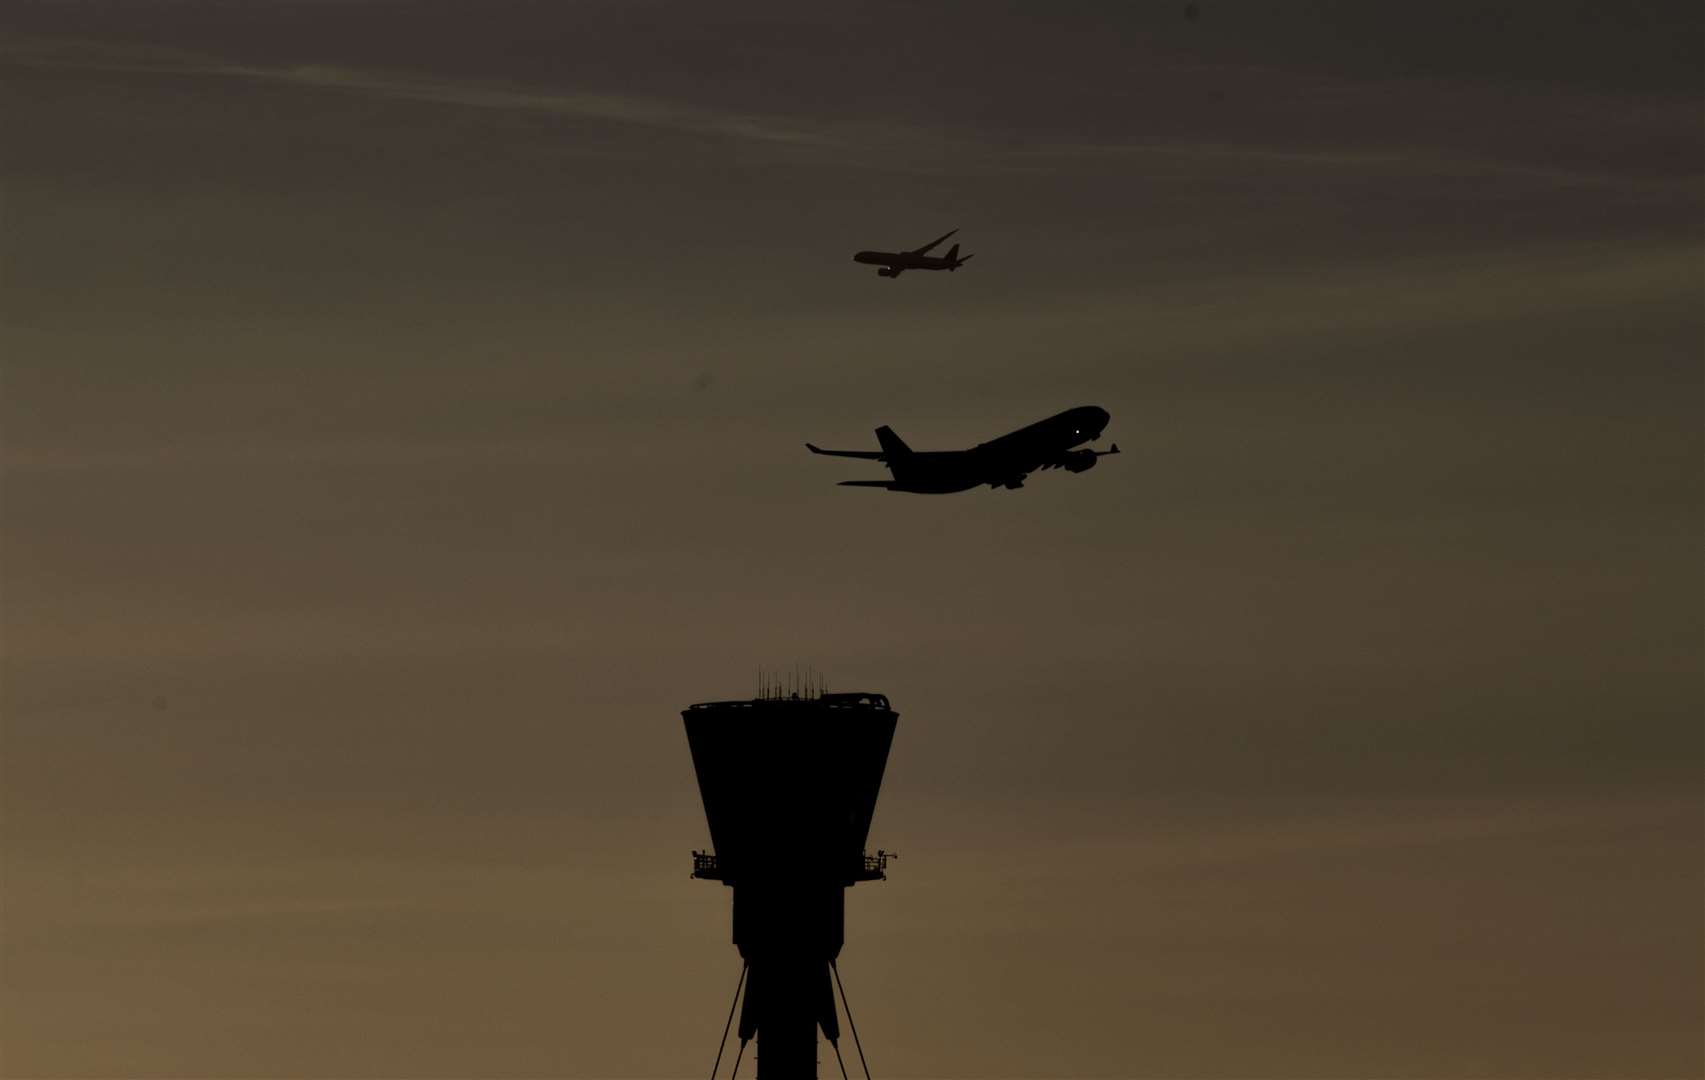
(1079,460)
(867,483)
(932,243)
(869,455)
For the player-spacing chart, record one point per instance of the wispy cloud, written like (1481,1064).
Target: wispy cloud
(611,108)
(1415,160)
(893,144)
(399,86)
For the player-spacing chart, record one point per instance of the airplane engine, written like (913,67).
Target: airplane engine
(887,272)
(1080,461)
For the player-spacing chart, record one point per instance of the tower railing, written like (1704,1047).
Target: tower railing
(706,867)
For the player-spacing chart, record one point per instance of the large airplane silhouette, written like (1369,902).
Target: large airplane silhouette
(1002,462)
(894,263)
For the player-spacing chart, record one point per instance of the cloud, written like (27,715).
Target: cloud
(611,108)
(1321,126)
(395,86)
(1395,161)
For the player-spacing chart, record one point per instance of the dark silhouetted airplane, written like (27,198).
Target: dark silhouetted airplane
(1002,462)
(894,263)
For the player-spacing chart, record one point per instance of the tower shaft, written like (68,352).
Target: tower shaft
(784,997)
(788,931)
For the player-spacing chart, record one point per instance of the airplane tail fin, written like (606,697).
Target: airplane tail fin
(953,253)
(892,445)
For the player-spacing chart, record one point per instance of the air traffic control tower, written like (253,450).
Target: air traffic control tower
(789,784)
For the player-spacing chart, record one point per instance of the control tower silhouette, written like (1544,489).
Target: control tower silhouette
(789,784)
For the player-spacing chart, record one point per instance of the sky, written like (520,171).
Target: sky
(403,407)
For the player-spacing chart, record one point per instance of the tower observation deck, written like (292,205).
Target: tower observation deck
(789,786)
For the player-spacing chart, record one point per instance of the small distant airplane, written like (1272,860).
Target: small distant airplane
(1002,462)
(894,263)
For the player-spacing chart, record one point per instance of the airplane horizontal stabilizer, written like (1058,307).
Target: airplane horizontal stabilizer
(867,483)
(868,455)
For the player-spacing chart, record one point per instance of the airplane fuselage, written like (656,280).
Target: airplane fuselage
(891,264)
(998,462)
(1002,462)
(904,260)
